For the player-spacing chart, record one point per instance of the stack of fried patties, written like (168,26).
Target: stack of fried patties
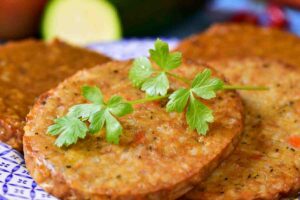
(266,163)
(28,69)
(250,151)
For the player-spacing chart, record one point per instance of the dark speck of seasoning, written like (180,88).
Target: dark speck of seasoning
(258,116)
(277,85)
(265,65)
(22,70)
(220,98)
(140,157)
(271,170)
(232,95)
(277,150)
(119,176)
(36,133)
(68,166)
(249,176)
(225,179)
(150,148)
(116,71)
(46,147)
(43,102)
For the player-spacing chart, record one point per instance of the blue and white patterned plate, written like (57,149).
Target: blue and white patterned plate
(15,181)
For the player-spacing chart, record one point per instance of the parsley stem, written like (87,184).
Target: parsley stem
(183,79)
(148,99)
(242,87)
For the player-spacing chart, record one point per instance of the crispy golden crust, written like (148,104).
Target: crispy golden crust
(29,68)
(264,165)
(238,40)
(158,157)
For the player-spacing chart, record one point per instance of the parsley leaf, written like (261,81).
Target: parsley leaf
(140,71)
(178,100)
(198,116)
(154,82)
(84,111)
(69,130)
(158,85)
(115,106)
(163,58)
(204,86)
(118,107)
(113,129)
(98,113)
(97,121)
(92,94)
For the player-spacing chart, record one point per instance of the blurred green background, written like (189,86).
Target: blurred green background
(84,22)
(87,21)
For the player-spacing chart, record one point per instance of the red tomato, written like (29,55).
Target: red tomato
(277,17)
(20,18)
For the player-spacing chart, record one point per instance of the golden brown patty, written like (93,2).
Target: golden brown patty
(237,40)
(29,68)
(158,156)
(264,165)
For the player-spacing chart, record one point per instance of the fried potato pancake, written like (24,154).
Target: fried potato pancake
(266,163)
(28,69)
(240,40)
(158,157)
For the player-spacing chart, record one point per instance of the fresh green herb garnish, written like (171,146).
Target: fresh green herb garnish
(155,82)
(69,129)
(198,115)
(97,114)
(90,118)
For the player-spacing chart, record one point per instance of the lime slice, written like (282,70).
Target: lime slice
(81,21)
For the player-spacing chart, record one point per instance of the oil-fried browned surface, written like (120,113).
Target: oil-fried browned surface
(236,40)
(29,68)
(264,165)
(158,156)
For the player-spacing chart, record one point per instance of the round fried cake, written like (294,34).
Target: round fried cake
(158,156)
(29,68)
(266,163)
(240,40)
